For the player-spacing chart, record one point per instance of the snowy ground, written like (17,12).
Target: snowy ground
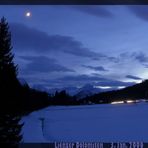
(93,123)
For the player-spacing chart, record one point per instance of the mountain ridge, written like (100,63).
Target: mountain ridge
(135,92)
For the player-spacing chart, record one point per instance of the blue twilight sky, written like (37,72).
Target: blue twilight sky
(73,45)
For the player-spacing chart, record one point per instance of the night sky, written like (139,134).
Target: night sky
(65,46)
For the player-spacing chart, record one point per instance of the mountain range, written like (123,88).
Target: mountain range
(86,90)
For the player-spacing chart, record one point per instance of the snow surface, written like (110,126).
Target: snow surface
(89,123)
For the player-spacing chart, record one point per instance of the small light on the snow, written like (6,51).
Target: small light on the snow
(117,102)
(129,101)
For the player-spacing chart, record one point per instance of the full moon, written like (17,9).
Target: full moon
(28,14)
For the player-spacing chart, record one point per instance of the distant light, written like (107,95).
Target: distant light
(118,102)
(129,101)
(28,14)
(137,101)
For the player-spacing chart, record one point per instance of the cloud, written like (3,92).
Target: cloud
(96,68)
(133,77)
(82,78)
(145,65)
(140,11)
(140,56)
(98,11)
(114,83)
(93,80)
(77,80)
(30,39)
(42,64)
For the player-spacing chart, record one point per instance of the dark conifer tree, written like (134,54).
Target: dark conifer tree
(9,88)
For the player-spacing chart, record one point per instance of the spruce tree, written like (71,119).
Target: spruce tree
(9,87)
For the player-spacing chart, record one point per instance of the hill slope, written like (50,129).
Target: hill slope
(138,91)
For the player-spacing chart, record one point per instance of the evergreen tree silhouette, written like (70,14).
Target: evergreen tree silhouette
(9,90)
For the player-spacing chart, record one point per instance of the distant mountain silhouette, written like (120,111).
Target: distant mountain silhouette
(89,90)
(135,92)
(79,93)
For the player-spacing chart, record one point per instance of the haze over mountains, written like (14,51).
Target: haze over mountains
(80,92)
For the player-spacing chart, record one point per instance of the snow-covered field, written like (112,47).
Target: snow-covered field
(91,123)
